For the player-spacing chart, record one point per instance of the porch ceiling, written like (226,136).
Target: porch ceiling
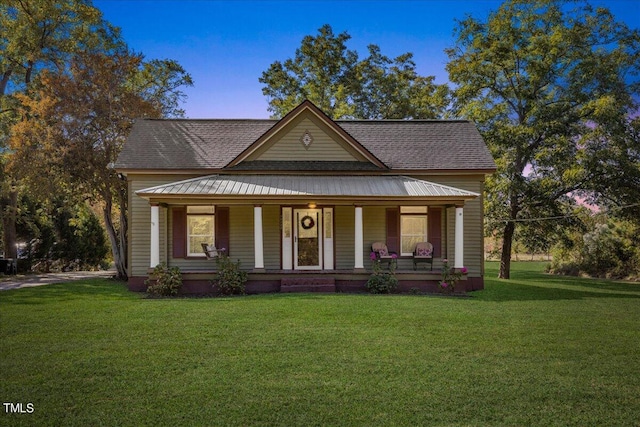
(340,186)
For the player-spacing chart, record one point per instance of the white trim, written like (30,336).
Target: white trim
(287,239)
(154,258)
(327,219)
(257,238)
(459,239)
(359,240)
(423,237)
(208,238)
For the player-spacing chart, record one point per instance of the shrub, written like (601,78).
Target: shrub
(62,236)
(230,279)
(450,276)
(382,282)
(607,249)
(168,281)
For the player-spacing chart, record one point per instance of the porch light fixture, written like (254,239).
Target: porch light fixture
(311,205)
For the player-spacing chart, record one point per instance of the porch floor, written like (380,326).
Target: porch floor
(263,281)
(348,281)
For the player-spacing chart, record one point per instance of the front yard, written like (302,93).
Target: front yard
(536,350)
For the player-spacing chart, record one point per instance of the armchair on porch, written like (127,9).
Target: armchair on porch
(382,252)
(211,252)
(423,253)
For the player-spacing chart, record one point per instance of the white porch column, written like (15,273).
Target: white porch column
(257,238)
(459,237)
(359,240)
(154,259)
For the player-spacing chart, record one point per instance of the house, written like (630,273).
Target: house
(299,201)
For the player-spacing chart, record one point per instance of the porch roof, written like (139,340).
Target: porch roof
(269,186)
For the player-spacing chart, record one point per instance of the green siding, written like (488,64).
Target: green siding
(140,227)
(271,236)
(473,224)
(344,218)
(289,146)
(241,235)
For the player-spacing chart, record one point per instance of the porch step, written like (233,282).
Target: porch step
(307,284)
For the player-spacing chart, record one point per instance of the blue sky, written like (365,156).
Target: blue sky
(226,45)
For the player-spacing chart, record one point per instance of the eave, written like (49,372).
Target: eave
(337,189)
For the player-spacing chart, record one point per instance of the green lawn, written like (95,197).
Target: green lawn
(536,350)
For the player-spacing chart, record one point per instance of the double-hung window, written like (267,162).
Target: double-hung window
(413,228)
(200,228)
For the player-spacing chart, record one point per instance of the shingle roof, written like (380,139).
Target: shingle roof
(188,144)
(423,144)
(318,186)
(179,144)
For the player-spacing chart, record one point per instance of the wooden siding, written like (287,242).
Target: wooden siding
(271,236)
(374,218)
(140,226)
(289,147)
(344,217)
(240,242)
(374,222)
(473,224)
(241,235)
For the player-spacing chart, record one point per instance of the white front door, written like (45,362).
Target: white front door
(307,239)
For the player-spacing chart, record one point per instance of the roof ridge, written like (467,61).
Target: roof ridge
(186,119)
(403,121)
(224,119)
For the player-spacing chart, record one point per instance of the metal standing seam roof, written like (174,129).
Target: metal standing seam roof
(295,185)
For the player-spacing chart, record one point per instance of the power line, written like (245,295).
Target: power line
(550,218)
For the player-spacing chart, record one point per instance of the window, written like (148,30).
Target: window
(413,228)
(200,228)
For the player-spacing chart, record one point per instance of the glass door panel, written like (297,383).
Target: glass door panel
(307,239)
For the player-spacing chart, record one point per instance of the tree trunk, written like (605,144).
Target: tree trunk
(124,228)
(507,239)
(119,255)
(9,224)
(505,257)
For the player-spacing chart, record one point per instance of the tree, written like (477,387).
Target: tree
(603,247)
(60,235)
(539,78)
(38,35)
(392,89)
(616,167)
(325,72)
(76,122)
(321,71)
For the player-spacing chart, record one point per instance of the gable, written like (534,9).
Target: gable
(321,144)
(306,134)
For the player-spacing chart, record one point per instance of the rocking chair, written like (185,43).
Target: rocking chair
(423,253)
(210,251)
(382,252)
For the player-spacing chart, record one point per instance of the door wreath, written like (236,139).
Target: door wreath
(307,222)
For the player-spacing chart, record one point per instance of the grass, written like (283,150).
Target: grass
(536,350)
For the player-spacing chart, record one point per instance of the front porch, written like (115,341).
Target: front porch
(308,233)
